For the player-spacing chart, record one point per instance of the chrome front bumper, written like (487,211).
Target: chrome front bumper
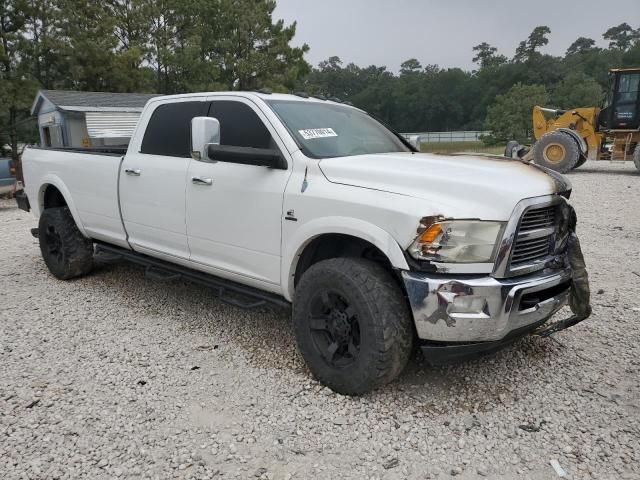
(482,309)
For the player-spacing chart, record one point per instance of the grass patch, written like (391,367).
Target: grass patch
(459,147)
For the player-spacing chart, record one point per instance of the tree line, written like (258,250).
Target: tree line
(173,46)
(498,95)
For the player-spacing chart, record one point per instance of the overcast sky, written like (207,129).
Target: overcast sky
(387,32)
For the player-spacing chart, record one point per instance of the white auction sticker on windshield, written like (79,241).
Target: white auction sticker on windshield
(310,133)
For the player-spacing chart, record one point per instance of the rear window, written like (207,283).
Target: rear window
(169,129)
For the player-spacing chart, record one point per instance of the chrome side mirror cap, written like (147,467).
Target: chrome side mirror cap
(204,132)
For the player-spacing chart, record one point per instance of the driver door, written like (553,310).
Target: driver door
(234,210)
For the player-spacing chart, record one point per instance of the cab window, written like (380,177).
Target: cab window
(240,126)
(169,129)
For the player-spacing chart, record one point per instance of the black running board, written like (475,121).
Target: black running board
(226,290)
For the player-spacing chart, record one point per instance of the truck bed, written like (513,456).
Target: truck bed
(88,180)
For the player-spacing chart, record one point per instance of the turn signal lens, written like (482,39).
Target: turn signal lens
(431,233)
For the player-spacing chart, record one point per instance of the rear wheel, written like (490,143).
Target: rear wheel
(557,151)
(66,252)
(352,324)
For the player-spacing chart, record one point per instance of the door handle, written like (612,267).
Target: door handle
(202,180)
(132,171)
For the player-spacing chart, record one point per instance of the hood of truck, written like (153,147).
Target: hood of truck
(473,180)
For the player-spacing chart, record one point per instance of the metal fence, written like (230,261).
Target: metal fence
(438,137)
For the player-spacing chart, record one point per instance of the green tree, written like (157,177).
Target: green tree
(509,118)
(225,44)
(256,52)
(165,20)
(486,55)
(331,78)
(180,48)
(87,28)
(577,90)
(16,84)
(132,29)
(631,58)
(621,36)
(581,45)
(378,95)
(410,66)
(43,47)
(331,64)
(530,47)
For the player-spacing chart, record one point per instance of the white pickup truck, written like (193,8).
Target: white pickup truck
(311,202)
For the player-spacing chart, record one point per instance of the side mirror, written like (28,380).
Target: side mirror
(262,157)
(204,132)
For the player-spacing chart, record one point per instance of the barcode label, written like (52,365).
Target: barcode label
(311,133)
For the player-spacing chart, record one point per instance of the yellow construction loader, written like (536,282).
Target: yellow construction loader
(565,139)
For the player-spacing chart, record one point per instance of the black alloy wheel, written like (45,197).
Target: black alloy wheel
(335,328)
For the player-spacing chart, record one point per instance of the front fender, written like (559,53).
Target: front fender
(52,179)
(373,234)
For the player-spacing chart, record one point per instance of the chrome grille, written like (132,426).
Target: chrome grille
(535,236)
(538,218)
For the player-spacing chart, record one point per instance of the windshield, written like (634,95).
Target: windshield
(324,130)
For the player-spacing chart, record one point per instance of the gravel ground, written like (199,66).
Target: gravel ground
(116,376)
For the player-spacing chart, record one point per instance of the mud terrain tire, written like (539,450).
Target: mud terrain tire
(352,324)
(66,252)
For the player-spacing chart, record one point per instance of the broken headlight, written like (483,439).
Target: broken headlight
(457,241)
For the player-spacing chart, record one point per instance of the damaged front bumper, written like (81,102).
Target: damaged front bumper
(482,309)
(465,317)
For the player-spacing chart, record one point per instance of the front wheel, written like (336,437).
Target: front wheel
(66,252)
(352,324)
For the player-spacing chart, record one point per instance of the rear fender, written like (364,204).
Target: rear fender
(52,179)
